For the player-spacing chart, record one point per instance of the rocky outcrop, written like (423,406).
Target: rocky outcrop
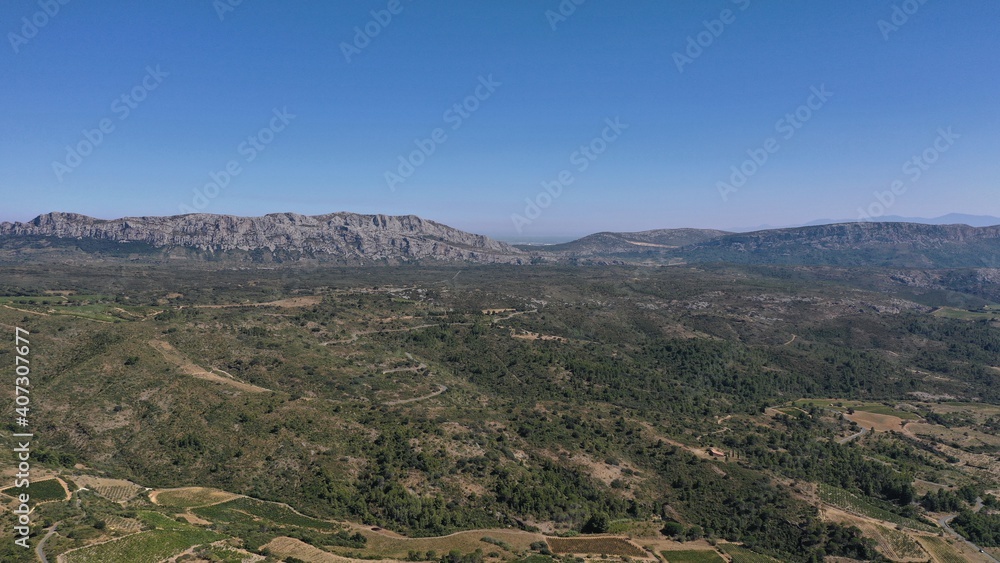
(363,239)
(346,237)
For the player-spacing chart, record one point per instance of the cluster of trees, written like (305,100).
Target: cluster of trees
(793,450)
(944,500)
(981,529)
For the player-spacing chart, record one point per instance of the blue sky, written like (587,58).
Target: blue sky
(310,117)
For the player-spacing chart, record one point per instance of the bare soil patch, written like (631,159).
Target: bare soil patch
(880,422)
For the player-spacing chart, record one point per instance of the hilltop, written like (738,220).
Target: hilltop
(355,239)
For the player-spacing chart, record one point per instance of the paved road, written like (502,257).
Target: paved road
(943,522)
(853,436)
(40,548)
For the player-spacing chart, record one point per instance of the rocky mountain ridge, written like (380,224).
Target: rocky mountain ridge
(342,236)
(352,238)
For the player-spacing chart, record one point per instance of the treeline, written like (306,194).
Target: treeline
(792,450)
(980,529)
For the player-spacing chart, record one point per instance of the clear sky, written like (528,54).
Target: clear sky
(634,114)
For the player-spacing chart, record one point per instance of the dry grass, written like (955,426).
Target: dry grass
(285,547)
(190,497)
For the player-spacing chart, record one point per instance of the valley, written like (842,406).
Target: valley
(407,413)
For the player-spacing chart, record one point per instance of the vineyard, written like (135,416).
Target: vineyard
(854,504)
(115,490)
(691,556)
(894,544)
(123,524)
(741,554)
(248,510)
(40,491)
(50,489)
(169,538)
(604,546)
(941,551)
(116,493)
(190,497)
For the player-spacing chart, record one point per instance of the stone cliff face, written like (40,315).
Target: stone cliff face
(358,239)
(337,236)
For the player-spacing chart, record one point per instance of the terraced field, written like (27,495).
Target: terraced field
(851,502)
(168,538)
(245,510)
(942,552)
(894,544)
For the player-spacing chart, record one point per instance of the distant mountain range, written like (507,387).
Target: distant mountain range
(949,219)
(349,238)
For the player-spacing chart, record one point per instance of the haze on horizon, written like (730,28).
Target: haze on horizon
(719,114)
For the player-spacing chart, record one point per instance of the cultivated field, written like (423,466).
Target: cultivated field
(692,556)
(942,551)
(190,497)
(740,554)
(169,538)
(599,545)
(116,490)
(851,502)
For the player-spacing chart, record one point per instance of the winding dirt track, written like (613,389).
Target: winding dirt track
(441,389)
(171,354)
